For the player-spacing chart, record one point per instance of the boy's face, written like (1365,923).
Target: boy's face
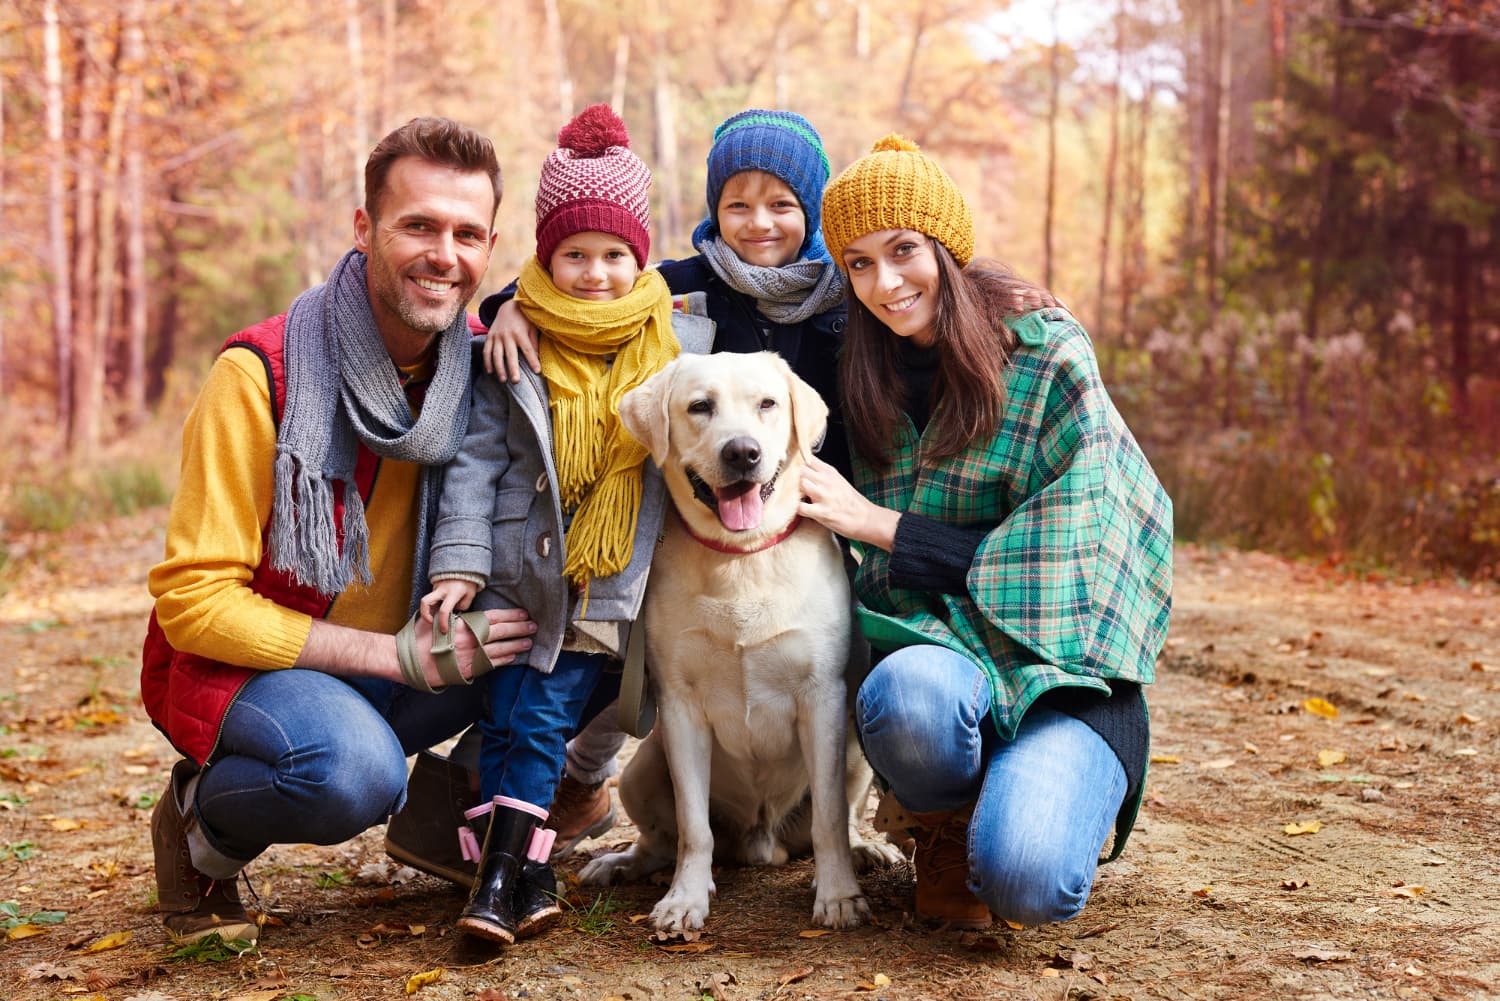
(761,219)
(594,265)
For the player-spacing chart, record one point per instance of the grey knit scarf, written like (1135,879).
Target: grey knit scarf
(788,294)
(343,389)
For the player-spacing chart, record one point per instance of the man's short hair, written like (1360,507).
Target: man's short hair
(437,140)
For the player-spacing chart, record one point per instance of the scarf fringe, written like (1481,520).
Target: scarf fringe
(602,537)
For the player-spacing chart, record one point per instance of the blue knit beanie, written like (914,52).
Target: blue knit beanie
(780,143)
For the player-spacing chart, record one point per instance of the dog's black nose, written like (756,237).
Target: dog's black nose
(741,454)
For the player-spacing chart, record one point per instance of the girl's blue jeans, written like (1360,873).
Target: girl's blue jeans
(1043,803)
(526,726)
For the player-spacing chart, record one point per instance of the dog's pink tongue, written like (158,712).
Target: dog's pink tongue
(740,507)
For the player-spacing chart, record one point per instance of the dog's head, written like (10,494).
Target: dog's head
(730,433)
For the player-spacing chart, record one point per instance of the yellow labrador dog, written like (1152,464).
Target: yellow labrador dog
(747,633)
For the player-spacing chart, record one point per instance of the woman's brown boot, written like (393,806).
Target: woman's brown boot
(942,860)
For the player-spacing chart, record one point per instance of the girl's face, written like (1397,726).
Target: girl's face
(594,265)
(894,273)
(761,219)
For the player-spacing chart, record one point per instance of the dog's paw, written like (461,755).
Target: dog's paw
(616,867)
(870,854)
(840,912)
(681,910)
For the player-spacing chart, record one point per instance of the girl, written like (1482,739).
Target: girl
(768,284)
(551,505)
(1016,556)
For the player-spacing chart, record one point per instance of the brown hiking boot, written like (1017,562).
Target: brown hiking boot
(579,811)
(424,835)
(196,906)
(941,855)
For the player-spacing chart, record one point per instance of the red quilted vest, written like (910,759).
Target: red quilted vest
(186,695)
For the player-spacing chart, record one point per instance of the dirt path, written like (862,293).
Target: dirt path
(1395,895)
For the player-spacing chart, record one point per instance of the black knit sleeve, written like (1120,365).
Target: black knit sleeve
(930,555)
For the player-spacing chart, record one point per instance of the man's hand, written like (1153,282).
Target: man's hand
(511,336)
(356,653)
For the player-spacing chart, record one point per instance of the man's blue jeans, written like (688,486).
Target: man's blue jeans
(306,757)
(1044,802)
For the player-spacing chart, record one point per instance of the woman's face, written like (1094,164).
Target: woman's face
(761,219)
(894,273)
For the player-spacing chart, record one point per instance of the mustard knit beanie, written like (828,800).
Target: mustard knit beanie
(896,186)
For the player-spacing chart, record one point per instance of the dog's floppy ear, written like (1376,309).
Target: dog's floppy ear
(809,412)
(644,413)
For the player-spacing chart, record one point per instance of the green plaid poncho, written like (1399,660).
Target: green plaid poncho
(1073,584)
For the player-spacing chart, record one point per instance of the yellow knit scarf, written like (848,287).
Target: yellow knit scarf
(598,462)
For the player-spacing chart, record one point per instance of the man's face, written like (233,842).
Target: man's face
(428,245)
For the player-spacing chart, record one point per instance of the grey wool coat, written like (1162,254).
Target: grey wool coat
(500,516)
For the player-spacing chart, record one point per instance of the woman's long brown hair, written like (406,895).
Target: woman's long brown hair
(973,347)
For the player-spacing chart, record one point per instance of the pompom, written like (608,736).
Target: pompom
(593,131)
(895,142)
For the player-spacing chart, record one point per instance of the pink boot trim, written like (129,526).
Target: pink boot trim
(516,804)
(541,844)
(468,843)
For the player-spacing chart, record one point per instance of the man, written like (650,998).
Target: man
(296,545)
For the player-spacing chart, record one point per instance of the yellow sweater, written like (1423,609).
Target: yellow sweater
(217,526)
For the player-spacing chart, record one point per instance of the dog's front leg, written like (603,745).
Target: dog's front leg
(689,745)
(837,901)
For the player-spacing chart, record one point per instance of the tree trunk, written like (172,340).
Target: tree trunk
(1221,200)
(360,133)
(134,390)
(1054,90)
(622,71)
(106,271)
(387,109)
(861,30)
(1276,10)
(172,279)
(666,130)
(909,74)
(1110,165)
(1461,257)
(560,54)
(1214,41)
(83,424)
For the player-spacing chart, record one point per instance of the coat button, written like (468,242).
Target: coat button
(541,482)
(544,545)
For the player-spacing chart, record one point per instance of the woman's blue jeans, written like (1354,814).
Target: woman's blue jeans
(305,757)
(1043,803)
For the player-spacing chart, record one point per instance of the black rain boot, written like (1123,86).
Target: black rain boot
(537,902)
(491,910)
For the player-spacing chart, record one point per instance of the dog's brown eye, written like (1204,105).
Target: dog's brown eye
(768,404)
(701,407)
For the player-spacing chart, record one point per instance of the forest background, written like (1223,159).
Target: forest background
(1278,221)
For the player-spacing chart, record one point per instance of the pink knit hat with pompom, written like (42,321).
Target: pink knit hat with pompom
(593,182)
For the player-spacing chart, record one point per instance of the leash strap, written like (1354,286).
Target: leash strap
(637,704)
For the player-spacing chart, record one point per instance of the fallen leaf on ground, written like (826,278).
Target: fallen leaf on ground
(23,931)
(1327,758)
(717,986)
(1409,891)
(793,976)
(263,995)
(113,941)
(1307,827)
(874,983)
(420,980)
(66,824)
(1219,763)
(813,933)
(1322,955)
(1164,759)
(1321,707)
(1203,891)
(1294,884)
(1464,719)
(688,947)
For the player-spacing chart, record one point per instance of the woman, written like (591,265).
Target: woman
(1015,556)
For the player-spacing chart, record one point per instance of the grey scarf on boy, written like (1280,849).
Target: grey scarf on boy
(788,294)
(342,389)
